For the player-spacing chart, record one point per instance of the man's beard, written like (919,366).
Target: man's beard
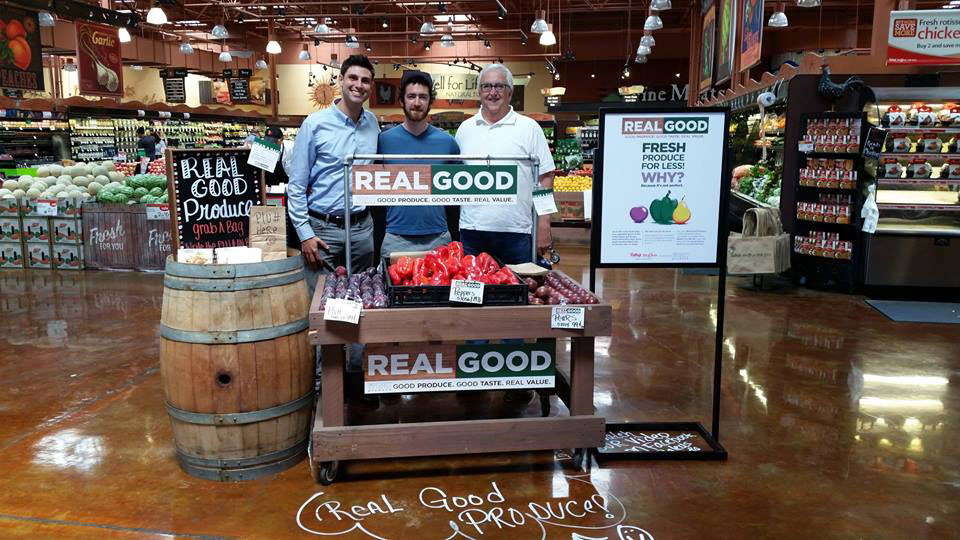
(415,116)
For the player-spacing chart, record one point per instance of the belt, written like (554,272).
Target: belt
(339,220)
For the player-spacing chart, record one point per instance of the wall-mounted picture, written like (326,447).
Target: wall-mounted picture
(726,35)
(706,51)
(751,32)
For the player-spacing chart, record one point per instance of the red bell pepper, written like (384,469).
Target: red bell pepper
(394,275)
(452,264)
(456,249)
(430,261)
(495,278)
(404,267)
(468,260)
(512,278)
(407,282)
(487,264)
(443,252)
(417,269)
(473,273)
(439,279)
(459,275)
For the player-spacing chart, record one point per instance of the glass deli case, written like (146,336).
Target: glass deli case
(917,241)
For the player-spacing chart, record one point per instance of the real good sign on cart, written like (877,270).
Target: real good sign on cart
(928,37)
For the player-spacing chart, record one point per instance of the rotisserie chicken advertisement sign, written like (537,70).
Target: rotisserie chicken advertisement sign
(21,65)
(660,188)
(927,37)
(100,64)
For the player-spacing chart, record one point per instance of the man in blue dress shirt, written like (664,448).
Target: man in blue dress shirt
(315,192)
(415,228)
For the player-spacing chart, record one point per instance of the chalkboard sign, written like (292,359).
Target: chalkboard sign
(674,440)
(175,90)
(244,72)
(212,192)
(227,73)
(239,90)
(873,144)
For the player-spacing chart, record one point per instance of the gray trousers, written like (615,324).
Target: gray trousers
(361,257)
(394,242)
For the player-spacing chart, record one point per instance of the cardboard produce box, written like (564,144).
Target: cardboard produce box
(11,255)
(38,256)
(36,230)
(10,230)
(66,231)
(67,207)
(67,257)
(9,207)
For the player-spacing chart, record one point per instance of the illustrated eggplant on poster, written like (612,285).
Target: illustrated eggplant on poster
(99,60)
(706,52)
(751,32)
(21,65)
(726,35)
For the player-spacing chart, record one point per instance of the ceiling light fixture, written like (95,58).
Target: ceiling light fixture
(779,17)
(640,60)
(447,41)
(539,25)
(426,45)
(225,57)
(321,27)
(643,50)
(123,34)
(352,42)
(304,53)
(261,64)
(427,28)
(648,39)
(186,47)
(523,40)
(626,71)
(661,5)
(548,38)
(46,19)
(486,43)
(501,11)
(273,47)
(808,3)
(384,23)
(156,15)
(369,47)
(220,31)
(653,22)
(441,7)
(137,67)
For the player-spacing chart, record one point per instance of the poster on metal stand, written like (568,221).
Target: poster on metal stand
(659,201)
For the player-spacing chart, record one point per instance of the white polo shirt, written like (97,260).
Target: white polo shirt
(513,135)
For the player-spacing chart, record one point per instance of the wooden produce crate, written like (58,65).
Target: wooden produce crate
(109,236)
(153,241)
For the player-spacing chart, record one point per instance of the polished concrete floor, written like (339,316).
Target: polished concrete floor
(838,423)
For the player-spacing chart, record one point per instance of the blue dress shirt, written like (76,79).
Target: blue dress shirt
(316,168)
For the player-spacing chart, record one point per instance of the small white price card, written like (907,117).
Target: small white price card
(588,204)
(46,207)
(544,202)
(466,291)
(339,309)
(567,317)
(805,147)
(158,212)
(264,154)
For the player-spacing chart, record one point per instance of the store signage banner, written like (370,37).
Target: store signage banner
(99,60)
(929,37)
(456,86)
(751,33)
(21,65)
(420,185)
(446,367)
(727,30)
(213,192)
(706,50)
(661,187)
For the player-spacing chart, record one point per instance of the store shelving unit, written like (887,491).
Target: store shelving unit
(31,141)
(826,266)
(917,241)
(92,139)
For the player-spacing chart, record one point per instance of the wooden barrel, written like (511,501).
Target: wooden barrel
(236,367)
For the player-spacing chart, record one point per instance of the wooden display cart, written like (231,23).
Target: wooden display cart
(333,441)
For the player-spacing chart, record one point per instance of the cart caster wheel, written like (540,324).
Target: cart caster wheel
(327,472)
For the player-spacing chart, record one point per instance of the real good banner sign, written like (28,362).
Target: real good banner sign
(930,37)
(418,185)
(422,367)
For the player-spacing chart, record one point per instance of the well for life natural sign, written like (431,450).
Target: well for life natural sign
(213,191)
(418,185)
(660,187)
(446,367)
(928,37)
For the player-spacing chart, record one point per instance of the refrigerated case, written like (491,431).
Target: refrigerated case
(917,241)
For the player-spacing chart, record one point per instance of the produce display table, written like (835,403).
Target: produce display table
(333,441)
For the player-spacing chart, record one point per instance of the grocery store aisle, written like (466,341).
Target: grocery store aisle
(839,424)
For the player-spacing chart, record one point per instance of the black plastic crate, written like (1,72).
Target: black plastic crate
(439,295)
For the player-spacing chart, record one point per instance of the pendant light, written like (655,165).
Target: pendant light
(427,28)
(70,66)
(220,31)
(156,15)
(123,34)
(547,38)
(321,27)
(653,22)
(136,67)
(225,57)
(643,50)
(661,5)
(304,53)
(46,19)
(426,45)
(640,59)
(808,3)
(352,42)
(186,47)
(261,64)
(447,39)
(626,71)
(273,47)
(539,25)
(647,39)
(779,17)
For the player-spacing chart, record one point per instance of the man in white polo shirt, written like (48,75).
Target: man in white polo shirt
(504,231)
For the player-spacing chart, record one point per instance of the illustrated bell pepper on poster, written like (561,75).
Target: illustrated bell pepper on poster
(661,210)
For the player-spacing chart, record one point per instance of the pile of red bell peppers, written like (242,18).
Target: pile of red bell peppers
(446,263)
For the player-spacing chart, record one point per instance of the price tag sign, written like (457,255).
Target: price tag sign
(466,292)
(343,310)
(264,154)
(158,212)
(544,203)
(570,318)
(47,207)
(805,147)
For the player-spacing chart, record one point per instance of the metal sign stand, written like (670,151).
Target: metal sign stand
(347,192)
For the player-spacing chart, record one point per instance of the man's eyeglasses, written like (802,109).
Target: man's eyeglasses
(486,87)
